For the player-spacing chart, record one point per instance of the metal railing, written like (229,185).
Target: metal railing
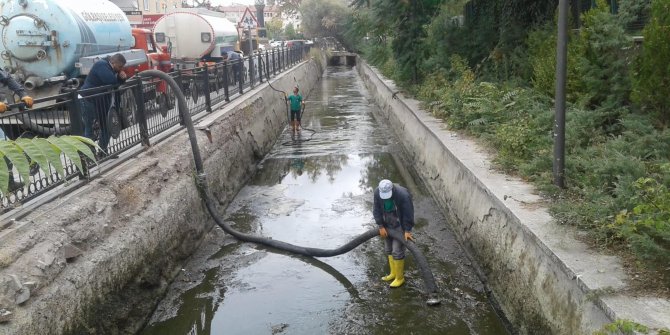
(130,114)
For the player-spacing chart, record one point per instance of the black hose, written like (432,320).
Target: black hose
(201,183)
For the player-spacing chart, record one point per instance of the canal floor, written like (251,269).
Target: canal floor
(317,192)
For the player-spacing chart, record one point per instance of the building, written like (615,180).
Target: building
(144,13)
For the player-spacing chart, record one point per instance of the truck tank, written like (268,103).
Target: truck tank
(195,33)
(43,39)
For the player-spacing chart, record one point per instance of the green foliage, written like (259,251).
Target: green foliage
(489,70)
(43,152)
(274,27)
(603,65)
(290,32)
(653,73)
(541,44)
(647,226)
(632,13)
(516,122)
(324,17)
(622,326)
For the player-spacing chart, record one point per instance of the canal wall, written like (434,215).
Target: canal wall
(97,260)
(543,279)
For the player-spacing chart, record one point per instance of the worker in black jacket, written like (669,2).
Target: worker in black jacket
(104,72)
(394,210)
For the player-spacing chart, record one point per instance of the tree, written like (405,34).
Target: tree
(289,31)
(653,76)
(274,27)
(289,7)
(324,17)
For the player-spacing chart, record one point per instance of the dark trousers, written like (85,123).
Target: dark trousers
(91,112)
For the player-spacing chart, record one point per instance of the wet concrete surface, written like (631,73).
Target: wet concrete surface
(316,191)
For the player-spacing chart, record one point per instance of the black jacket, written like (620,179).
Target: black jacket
(403,202)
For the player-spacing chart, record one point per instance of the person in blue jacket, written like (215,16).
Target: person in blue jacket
(394,210)
(105,72)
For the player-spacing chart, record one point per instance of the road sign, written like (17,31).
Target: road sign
(248,20)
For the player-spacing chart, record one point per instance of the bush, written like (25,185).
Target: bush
(542,48)
(604,61)
(647,225)
(653,72)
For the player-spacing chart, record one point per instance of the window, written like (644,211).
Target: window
(146,4)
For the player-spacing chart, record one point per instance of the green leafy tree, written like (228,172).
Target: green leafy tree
(289,31)
(45,152)
(274,27)
(324,18)
(289,7)
(604,63)
(653,74)
(632,13)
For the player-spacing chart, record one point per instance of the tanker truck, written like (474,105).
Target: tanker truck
(50,45)
(195,34)
(196,37)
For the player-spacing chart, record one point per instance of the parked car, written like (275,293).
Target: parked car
(295,43)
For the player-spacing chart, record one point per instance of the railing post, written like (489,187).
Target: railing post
(76,119)
(180,83)
(260,67)
(208,98)
(77,128)
(141,115)
(251,69)
(240,74)
(267,65)
(225,81)
(279,52)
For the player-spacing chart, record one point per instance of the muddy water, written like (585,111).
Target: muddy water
(317,191)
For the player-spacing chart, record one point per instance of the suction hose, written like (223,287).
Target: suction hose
(201,182)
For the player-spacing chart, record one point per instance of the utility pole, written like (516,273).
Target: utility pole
(561,78)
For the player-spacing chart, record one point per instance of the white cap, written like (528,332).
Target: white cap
(385,189)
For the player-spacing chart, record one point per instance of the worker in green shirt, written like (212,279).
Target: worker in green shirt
(296,105)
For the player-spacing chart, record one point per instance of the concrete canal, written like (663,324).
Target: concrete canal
(318,193)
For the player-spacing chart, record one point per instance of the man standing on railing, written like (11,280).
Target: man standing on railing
(104,72)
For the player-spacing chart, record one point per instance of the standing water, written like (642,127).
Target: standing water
(316,191)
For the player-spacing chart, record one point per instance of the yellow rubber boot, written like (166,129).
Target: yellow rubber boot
(399,273)
(391,275)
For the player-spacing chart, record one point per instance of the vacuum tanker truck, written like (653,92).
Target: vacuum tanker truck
(50,45)
(195,35)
